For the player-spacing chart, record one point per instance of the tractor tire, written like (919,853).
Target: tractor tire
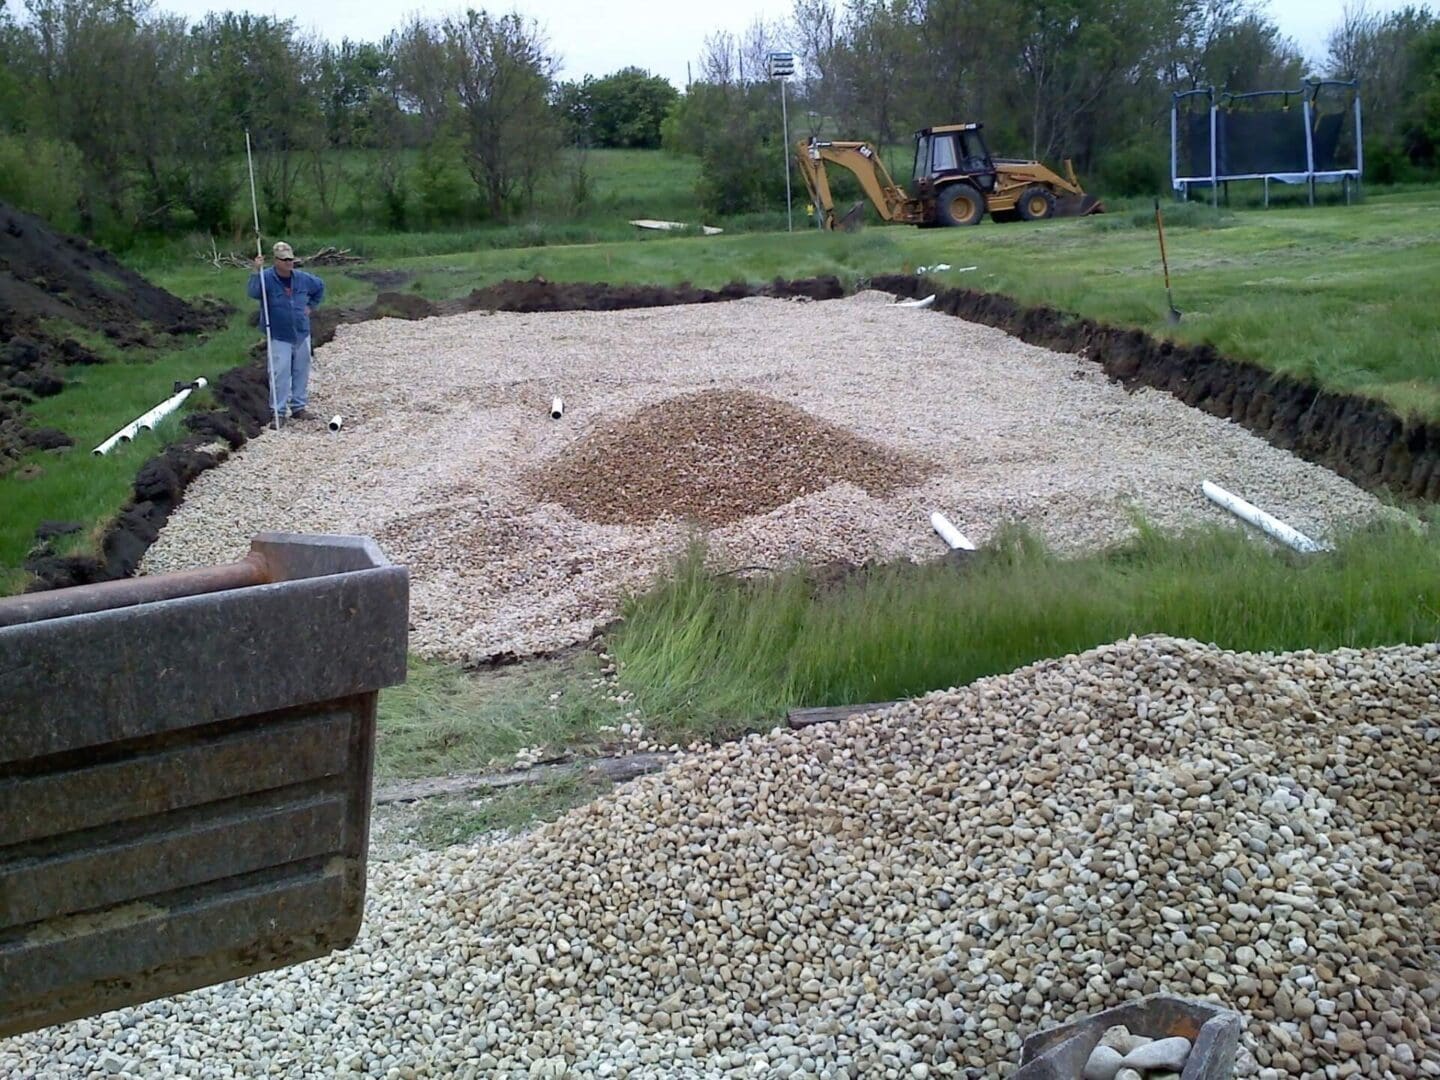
(1036,204)
(960,204)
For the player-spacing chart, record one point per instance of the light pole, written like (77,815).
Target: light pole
(782,66)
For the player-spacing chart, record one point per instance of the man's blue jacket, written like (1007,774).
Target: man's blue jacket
(288,300)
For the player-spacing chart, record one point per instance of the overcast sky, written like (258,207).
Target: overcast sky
(595,37)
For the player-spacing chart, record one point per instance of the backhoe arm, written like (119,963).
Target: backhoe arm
(861,159)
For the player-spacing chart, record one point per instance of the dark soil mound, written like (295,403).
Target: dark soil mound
(48,275)
(49,281)
(398,305)
(537,294)
(714,457)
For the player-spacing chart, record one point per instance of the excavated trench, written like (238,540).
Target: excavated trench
(1365,441)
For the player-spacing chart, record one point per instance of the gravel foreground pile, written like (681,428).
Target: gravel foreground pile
(447,419)
(905,895)
(714,457)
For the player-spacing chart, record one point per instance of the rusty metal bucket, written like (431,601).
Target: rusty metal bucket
(1214,1033)
(185,766)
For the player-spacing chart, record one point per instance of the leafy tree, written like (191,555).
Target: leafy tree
(348,78)
(159,135)
(424,80)
(12,55)
(573,104)
(502,77)
(1252,54)
(1421,126)
(735,133)
(387,129)
(253,74)
(1387,54)
(623,110)
(88,81)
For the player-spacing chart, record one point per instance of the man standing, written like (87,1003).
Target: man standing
(290,294)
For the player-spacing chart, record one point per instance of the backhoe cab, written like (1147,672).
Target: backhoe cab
(956,182)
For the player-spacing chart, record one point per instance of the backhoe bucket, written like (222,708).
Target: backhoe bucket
(1078,206)
(185,767)
(854,219)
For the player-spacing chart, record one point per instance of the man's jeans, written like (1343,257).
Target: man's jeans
(290,374)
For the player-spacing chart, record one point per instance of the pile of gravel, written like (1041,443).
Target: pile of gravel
(447,419)
(713,458)
(906,895)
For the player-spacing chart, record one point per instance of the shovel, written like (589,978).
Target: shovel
(1173,315)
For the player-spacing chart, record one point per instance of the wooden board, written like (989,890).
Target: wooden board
(803,718)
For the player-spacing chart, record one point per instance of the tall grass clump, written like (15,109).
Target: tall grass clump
(442,720)
(712,653)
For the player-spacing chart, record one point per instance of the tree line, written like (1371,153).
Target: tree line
(118,119)
(1085,79)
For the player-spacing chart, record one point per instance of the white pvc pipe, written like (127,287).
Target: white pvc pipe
(557,409)
(917,303)
(146,421)
(121,436)
(957,540)
(336,422)
(1261,520)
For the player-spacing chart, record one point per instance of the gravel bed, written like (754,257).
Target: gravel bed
(447,422)
(904,895)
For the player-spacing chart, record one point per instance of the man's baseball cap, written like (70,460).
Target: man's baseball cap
(284,251)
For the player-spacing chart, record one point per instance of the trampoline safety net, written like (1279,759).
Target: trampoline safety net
(1297,136)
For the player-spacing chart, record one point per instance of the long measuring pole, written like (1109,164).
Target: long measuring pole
(785,126)
(264,301)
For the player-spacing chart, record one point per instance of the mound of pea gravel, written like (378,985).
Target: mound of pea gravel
(713,458)
(908,894)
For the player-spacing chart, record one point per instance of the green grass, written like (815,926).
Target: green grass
(711,654)
(445,720)
(509,810)
(97,400)
(1341,296)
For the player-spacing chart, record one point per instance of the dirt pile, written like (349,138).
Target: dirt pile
(714,457)
(537,294)
(50,282)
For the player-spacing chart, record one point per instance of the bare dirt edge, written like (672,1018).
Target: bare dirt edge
(1361,439)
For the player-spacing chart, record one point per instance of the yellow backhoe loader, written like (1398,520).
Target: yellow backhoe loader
(957,181)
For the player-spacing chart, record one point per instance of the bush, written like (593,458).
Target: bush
(441,187)
(210,195)
(42,177)
(1137,169)
(396,204)
(733,132)
(1386,162)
